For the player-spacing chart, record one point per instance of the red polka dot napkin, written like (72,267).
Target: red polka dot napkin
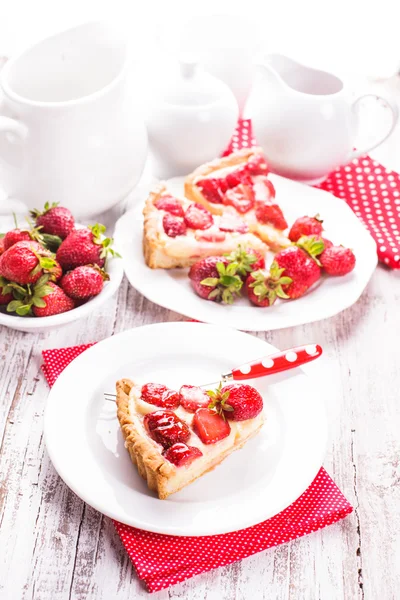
(163,560)
(371,190)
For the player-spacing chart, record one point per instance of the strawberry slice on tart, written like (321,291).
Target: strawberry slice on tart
(179,232)
(172,445)
(238,184)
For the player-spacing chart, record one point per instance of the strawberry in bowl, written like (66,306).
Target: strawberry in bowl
(55,271)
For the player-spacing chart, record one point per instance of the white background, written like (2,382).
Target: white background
(343,36)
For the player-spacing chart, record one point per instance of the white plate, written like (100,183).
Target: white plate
(115,270)
(171,289)
(86,446)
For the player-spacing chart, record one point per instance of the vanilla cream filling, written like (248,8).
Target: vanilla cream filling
(240,431)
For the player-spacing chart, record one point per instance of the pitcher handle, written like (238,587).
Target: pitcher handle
(395,115)
(11,127)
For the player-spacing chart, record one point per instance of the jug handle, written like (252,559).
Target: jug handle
(395,115)
(13,129)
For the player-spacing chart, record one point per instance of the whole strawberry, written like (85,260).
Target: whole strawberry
(264,287)
(25,262)
(54,220)
(305,226)
(300,267)
(53,303)
(1,245)
(247,260)
(85,247)
(213,278)
(84,282)
(236,401)
(14,236)
(337,260)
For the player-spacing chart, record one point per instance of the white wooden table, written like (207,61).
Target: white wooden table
(54,547)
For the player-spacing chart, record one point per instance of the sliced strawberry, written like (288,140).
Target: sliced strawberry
(166,428)
(193,397)
(237,177)
(231,223)
(257,165)
(271,214)
(159,395)
(173,226)
(264,190)
(210,236)
(222,184)
(170,205)
(198,217)
(210,426)
(240,197)
(211,190)
(180,454)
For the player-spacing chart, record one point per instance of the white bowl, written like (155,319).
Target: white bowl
(114,268)
(41,324)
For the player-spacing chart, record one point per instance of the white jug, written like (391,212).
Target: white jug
(71,132)
(303,119)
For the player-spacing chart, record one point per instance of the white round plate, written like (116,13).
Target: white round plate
(171,288)
(86,446)
(115,270)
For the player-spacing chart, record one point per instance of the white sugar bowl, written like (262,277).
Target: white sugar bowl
(190,120)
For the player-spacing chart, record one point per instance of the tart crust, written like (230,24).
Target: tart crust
(275,238)
(158,472)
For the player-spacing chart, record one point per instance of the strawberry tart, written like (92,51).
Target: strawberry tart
(176,437)
(238,184)
(179,232)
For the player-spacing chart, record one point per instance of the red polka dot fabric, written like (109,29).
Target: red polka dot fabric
(163,560)
(371,190)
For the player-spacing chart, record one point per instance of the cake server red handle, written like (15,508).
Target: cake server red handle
(276,363)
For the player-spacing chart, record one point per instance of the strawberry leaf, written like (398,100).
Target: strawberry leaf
(13,305)
(210,281)
(24,310)
(39,302)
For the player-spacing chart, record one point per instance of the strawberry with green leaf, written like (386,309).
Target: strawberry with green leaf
(42,299)
(247,260)
(236,401)
(264,287)
(54,220)
(214,278)
(84,247)
(25,262)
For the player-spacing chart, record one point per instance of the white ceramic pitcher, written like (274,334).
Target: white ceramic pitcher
(303,119)
(70,130)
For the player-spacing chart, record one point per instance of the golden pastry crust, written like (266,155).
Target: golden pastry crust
(152,466)
(271,236)
(150,463)
(162,253)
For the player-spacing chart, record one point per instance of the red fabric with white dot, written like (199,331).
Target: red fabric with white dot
(163,560)
(371,190)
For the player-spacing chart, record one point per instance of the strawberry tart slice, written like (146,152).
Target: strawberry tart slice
(238,184)
(179,232)
(176,437)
